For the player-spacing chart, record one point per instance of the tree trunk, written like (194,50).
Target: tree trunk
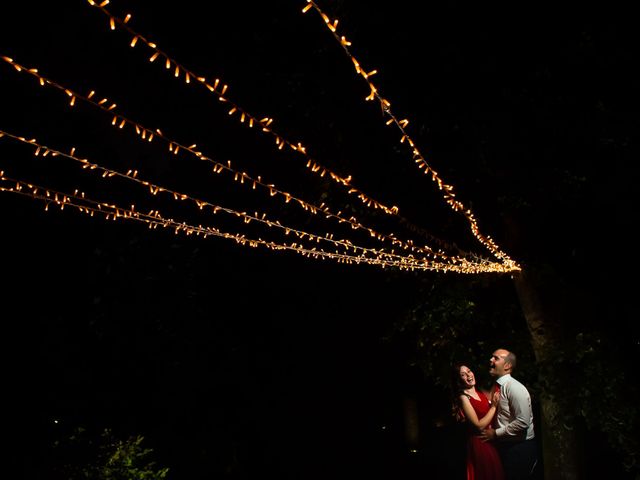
(560,445)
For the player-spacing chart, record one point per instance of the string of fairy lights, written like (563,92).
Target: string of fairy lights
(110,211)
(148,134)
(363,253)
(405,138)
(219,88)
(409,256)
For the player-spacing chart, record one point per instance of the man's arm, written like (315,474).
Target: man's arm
(521,414)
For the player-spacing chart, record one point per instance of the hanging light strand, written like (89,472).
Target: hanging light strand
(148,134)
(153,189)
(218,88)
(422,164)
(110,211)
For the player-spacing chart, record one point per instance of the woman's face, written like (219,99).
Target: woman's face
(467,379)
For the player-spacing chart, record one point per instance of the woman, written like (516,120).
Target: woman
(483,461)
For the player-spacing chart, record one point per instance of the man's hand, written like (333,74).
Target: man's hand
(488,434)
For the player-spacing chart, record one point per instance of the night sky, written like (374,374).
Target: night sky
(251,360)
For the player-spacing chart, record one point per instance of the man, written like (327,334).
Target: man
(512,429)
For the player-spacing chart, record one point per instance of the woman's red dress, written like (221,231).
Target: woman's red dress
(483,461)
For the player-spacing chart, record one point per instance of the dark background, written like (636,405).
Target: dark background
(238,361)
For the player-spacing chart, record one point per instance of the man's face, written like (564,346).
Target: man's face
(496,363)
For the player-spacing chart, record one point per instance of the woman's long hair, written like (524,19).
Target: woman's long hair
(456,387)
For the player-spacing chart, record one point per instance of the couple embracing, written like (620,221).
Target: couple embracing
(501,442)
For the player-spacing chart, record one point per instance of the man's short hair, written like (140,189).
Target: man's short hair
(510,358)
